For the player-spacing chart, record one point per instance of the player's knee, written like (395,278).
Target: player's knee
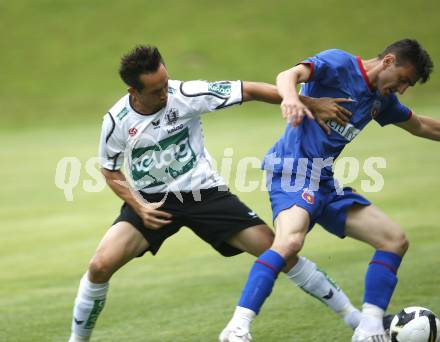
(99,269)
(266,241)
(397,243)
(289,246)
(402,243)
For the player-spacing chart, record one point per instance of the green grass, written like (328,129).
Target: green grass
(188,292)
(59,76)
(60,64)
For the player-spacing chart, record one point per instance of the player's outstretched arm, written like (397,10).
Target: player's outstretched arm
(323,109)
(259,91)
(422,126)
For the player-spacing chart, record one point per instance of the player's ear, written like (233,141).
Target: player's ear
(388,60)
(131,91)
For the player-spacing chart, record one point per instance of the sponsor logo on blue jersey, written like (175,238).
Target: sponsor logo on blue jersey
(349,132)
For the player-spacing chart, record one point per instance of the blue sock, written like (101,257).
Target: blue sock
(381,279)
(261,279)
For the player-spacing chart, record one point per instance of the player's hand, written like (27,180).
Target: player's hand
(293,111)
(151,217)
(328,108)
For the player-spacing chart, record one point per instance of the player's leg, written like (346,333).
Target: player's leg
(314,281)
(291,227)
(369,224)
(224,221)
(302,272)
(120,244)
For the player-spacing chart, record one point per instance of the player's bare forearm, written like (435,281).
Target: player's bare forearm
(292,109)
(431,128)
(422,126)
(286,84)
(151,217)
(265,92)
(322,109)
(116,181)
(259,91)
(287,81)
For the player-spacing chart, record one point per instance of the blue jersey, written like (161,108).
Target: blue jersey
(335,73)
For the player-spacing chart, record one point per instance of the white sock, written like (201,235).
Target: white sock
(372,319)
(89,303)
(242,318)
(315,282)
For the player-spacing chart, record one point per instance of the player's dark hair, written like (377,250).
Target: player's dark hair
(410,51)
(143,59)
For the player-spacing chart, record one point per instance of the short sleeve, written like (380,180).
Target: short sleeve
(328,66)
(317,67)
(393,112)
(111,149)
(210,96)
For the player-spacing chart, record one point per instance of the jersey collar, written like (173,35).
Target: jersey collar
(130,104)
(364,73)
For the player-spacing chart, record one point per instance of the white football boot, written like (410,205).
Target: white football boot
(77,338)
(363,336)
(237,334)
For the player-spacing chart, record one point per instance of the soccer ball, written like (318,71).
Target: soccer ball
(415,324)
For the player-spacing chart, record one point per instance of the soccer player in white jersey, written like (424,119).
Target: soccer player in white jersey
(156,128)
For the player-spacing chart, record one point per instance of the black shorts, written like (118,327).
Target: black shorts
(215,218)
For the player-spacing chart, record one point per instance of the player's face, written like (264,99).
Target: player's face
(395,78)
(154,95)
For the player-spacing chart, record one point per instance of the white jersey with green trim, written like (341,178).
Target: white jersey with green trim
(165,151)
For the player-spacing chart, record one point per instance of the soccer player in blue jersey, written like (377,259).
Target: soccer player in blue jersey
(300,179)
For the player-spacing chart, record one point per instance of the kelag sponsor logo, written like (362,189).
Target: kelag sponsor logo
(162,162)
(220,88)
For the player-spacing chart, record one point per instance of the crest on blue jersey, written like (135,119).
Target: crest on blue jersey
(308,196)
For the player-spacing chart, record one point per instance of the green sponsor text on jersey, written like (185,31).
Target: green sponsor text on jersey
(122,113)
(162,162)
(220,88)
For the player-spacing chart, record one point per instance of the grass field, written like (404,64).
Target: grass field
(60,77)
(187,292)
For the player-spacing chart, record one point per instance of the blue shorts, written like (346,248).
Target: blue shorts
(325,206)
